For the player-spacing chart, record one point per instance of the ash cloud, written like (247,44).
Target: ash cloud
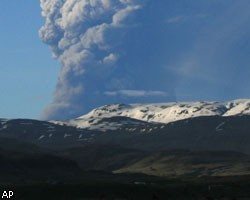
(101,47)
(136,51)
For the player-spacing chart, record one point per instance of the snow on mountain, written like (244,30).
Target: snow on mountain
(159,112)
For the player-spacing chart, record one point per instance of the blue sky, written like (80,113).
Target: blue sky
(123,51)
(28,72)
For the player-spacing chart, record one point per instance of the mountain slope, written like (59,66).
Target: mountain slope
(191,163)
(168,163)
(24,163)
(162,112)
(200,133)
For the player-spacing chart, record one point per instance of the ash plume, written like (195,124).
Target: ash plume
(108,51)
(143,51)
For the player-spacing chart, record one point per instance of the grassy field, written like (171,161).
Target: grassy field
(184,188)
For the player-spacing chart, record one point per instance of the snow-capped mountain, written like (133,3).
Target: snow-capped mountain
(158,113)
(140,138)
(195,125)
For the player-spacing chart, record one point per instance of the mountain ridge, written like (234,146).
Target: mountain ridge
(159,112)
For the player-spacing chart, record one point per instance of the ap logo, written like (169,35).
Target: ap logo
(7,194)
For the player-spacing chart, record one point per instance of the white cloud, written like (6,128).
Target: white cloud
(135,93)
(110,59)
(177,19)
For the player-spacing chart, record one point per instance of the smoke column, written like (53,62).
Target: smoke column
(110,51)
(129,51)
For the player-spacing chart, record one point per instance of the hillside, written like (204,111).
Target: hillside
(161,112)
(171,139)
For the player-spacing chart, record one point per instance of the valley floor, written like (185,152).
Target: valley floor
(227,188)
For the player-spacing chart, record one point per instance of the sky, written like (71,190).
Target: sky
(120,51)
(28,71)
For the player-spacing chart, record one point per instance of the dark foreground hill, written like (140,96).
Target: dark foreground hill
(211,133)
(181,159)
